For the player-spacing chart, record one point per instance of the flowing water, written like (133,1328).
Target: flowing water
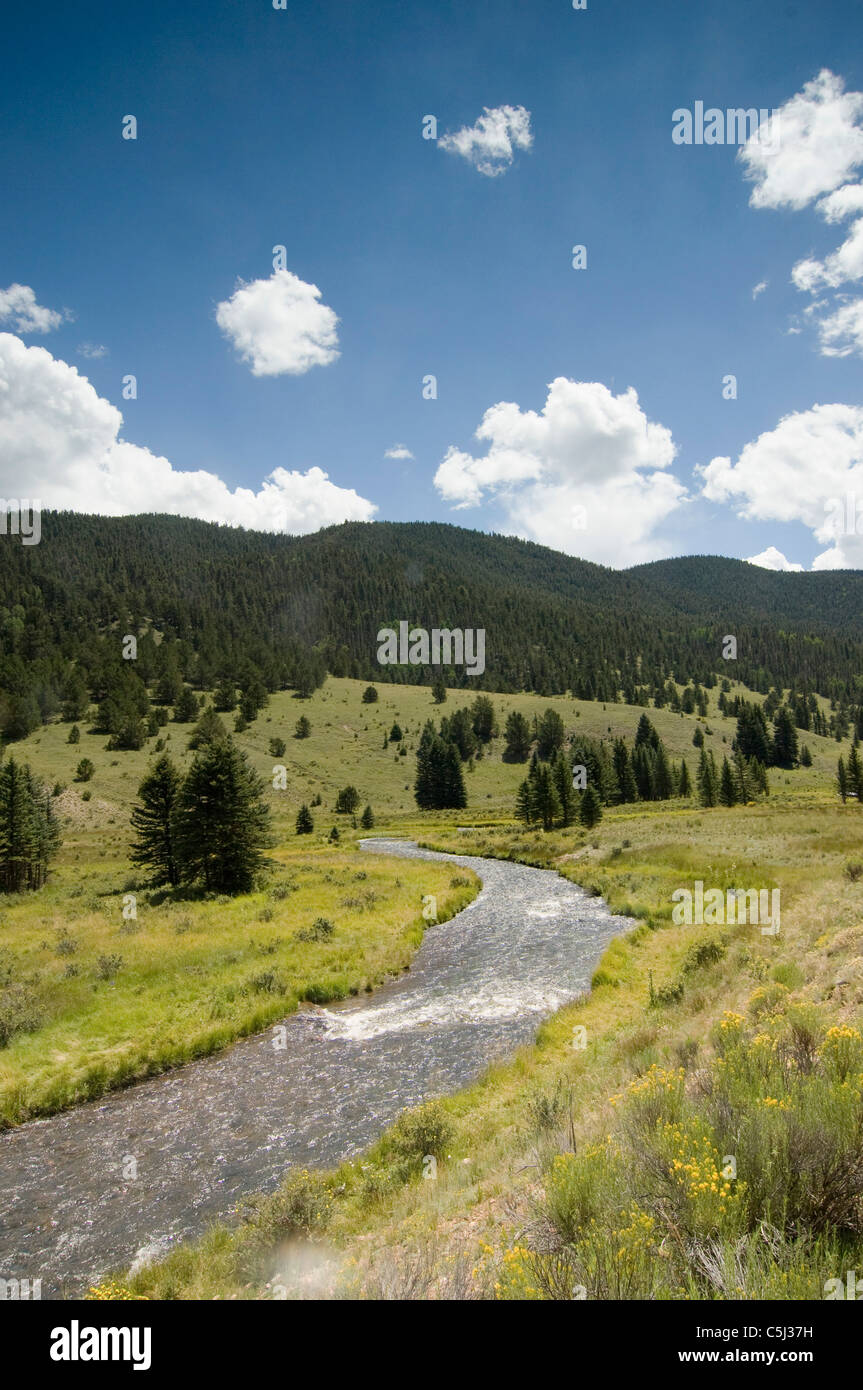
(203,1136)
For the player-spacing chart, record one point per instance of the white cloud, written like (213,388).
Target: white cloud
(279,326)
(60,442)
(773,559)
(803,470)
(586,476)
(19,308)
(490,144)
(759,288)
(820,142)
(398,451)
(91,350)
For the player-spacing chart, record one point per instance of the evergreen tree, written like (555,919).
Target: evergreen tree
(74,734)
(590,810)
(221,823)
(727,791)
(370,695)
(855,773)
(277,747)
(439,691)
(208,729)
(646,733)
(483,719)
(662,782)
(627,789)
(550,734)
(225,697)
(784,738)
(562,774)
(708,787)
(546,801)
(367,819)
(524,803)
(347,800)
(842,781)
(698,736)
(304,823)
(517,738)
(396,734)
(684,783)
(153,822)
(303,728)
(29,834)
(185,706)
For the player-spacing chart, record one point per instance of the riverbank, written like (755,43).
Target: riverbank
(494,1219)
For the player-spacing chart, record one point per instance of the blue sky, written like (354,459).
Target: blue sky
(303,128)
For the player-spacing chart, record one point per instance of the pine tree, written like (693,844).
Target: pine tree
(517,738)
(208,729)
(29,835)
(784,738)
(370,695)
(855,773)
(842,781)
(627,789)
(439,691)
(562,774)
(221,823)
(590,810)
(684,784)
(708,789)
(727,791)
(367,819)
(347,800)
(302,728)
(524,803)
(74,734)
(545,798)
(153,822)
(185,706)
(662,783)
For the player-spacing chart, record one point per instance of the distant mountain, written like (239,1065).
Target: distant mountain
(224,601)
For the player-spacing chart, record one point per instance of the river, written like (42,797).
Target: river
(203,1136)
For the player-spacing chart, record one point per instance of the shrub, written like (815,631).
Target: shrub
(278,747)
(108,966)
(84,771)
(416,1133)
(268,982)
(703,953)
(19,1012)
(322,929)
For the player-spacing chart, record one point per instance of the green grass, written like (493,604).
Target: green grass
(195,973)
(463,1235)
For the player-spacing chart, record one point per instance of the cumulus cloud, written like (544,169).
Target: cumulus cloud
(398,451)
(18,307)
(808,469)
(490,144)
(60,442)
(587,475)
(820,142)
(773,559)
(279,325)
(820,146)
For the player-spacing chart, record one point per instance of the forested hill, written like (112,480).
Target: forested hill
(224,601)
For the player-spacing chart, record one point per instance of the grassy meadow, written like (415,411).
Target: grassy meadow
(556,1169)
